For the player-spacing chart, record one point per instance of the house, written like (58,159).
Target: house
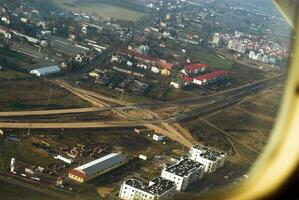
(156,189)
(211,160)
(183,173)
(97,167)
(43,71)
(177,83)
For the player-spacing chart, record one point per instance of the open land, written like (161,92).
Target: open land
(100,9)
(15,95)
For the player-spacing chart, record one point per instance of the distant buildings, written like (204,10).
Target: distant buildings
(97,167)
(260,56)
(183,173)
(210,159)
(216,39)
(43,71)
(237,46)
(157,189)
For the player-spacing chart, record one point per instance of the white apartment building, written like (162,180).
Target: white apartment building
(183,173)
(216,39)
(210,159)
(157,189)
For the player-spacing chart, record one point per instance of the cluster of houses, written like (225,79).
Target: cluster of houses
(196,74)
(174,178)
(155,65)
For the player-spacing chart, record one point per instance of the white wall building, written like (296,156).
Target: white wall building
(157,189)
(216,39)
(211,160)
(258,57)
(183,173)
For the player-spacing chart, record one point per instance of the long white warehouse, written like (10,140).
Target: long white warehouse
(97,167)
(43,71)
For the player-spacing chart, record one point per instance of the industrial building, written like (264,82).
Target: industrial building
(211,160)
(183,173)
(97,167)
(43,71)
(157,189)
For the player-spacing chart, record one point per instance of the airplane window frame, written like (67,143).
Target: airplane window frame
(279,160)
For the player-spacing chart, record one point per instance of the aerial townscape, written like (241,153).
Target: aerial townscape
(136,99)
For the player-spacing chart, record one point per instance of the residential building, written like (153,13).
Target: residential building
(97,167)
(230,44)
(265,59)
(156,189)
(183,173)
(211,160)
(216,39)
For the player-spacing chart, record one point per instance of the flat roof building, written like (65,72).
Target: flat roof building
(183,173)
(97,167)
(43,71)
(212,160)
(156,189)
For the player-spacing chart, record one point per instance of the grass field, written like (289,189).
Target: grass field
(35,94)
(11,74)
(100,9)
(211,58)
(14,192)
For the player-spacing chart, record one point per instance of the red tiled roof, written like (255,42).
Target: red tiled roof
(160,63)
(187,79)
(78,174)
(211,75)
(196,66)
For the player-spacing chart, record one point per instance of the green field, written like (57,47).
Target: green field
(100,9)
(211,59)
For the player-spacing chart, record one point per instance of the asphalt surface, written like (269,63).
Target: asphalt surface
(219,98)
(227,99)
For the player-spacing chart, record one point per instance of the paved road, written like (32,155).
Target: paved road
(155,105)
(231,99)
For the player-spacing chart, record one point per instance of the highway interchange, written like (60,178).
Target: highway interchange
(201,106)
